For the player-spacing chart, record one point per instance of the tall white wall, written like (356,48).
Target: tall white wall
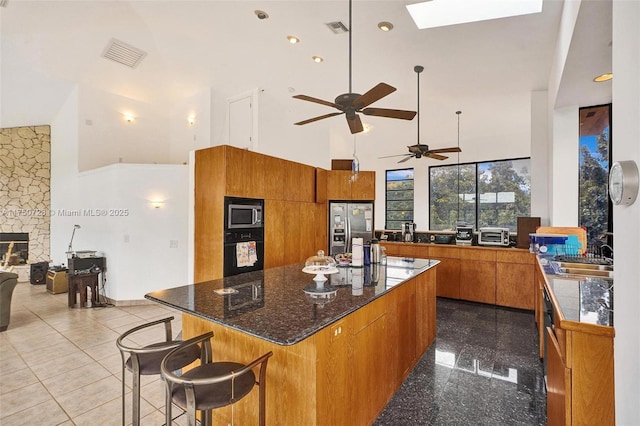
(64,172)
(185,137)
(564,167)
(626,146)
(395,135)
(145,247)
(148,261)
(106,137)
(540,156)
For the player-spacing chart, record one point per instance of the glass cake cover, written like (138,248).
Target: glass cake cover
(320,265)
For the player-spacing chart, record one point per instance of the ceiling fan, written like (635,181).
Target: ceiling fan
(351,103)
(420,150)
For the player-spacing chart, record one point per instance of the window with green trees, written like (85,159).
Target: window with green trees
(492,193)
(399,198)
(594,208)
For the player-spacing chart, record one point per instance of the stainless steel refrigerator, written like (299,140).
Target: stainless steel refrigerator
(349,220)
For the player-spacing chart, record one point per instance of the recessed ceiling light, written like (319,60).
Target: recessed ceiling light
(317,59)
(604,77)
(293,39)
(440,13)
(385,26)
(261,14)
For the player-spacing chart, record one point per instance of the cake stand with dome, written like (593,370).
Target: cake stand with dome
(320,265)
(320,294)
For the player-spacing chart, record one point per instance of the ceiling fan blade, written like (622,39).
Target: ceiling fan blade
(355,124)
(391,156)
(390,113)
(318,101)
(454,149)
(436,156)
(409,156)
(320,117)
(374,94)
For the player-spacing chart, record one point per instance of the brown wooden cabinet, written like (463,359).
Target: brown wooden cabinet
(341,187)
(498,276)
(448,277)
(558,384)
(274,233)
(478,275)
(515,279)
(299,182)
(364,188)
(295,225)
(580,370)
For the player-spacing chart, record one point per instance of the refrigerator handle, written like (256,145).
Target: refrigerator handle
(347,236)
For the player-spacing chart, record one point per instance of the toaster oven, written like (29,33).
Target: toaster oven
(493,237)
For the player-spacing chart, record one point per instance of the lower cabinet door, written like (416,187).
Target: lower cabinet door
(558,384)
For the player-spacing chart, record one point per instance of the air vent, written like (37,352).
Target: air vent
(122,53)
(337,27)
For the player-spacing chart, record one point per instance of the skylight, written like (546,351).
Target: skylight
(440,13)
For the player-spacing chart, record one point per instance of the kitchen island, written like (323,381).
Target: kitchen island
(339,355)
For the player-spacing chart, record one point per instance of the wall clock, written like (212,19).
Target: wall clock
(623,182)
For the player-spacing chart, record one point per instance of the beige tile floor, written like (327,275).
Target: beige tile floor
(60,366)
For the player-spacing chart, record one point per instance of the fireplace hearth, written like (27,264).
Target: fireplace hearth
(19,243)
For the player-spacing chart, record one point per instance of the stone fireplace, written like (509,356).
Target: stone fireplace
(25,195)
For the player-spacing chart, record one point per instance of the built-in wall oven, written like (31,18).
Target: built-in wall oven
(243,235)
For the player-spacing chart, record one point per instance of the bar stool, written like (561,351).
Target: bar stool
(146,360)
(211,384)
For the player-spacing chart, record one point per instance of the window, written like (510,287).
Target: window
(594,207)
(492,193)
(446,207)
(399,198)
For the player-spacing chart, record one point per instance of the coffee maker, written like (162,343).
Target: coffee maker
(408,232)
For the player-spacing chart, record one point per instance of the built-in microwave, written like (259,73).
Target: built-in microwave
(243,213)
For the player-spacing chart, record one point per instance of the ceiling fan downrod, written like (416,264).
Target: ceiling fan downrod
(418,69)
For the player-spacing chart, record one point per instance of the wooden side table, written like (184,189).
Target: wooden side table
(79,283)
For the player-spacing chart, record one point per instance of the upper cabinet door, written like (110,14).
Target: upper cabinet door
(364,187)
(341,185)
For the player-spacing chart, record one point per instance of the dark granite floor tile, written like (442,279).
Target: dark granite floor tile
(483,369)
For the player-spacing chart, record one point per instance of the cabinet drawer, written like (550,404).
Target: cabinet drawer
(515,256)
(488,255)
(436,251)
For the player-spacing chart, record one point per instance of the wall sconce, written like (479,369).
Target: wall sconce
(191,119)
(129,117)
(156,204)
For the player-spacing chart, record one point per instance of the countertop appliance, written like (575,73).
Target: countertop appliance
(349,220)
(408,232)
(464,235)
(243,235)
(243,213)
(492,236)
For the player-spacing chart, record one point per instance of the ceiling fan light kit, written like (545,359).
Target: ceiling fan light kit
(420,150)
(351,104)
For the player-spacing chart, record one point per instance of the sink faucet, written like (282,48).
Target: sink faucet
(607,251)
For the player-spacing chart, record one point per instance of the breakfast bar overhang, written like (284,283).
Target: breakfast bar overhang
(338,358)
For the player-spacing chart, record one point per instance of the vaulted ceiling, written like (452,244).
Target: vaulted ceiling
(488,68)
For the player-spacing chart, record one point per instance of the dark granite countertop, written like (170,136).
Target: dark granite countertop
(273,305)
(586,300)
